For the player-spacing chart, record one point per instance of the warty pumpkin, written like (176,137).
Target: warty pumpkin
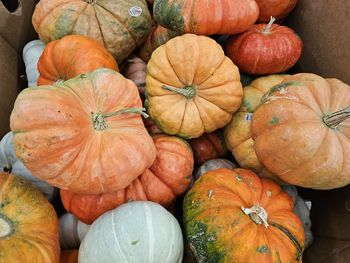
(168,177)
(28,223)
(206,17)
(301,132)
(192,87)
(84,135)
(71,56)
(233,216)
(120,25)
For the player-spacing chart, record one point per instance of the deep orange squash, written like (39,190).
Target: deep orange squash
(168,177)
(85,135)
(70,56)
(69,256)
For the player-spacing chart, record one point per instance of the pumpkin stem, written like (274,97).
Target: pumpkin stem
(59,82)
(334,119)
(92,2)
(257,214)
(100,124)
(189,92)
(6,226)
(269,25)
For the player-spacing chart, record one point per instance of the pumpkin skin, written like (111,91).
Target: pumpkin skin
(72,231)
(120,25)
(276,8)
(159,36)
(168,177)
(220,227)
(71,56)
(31,54)
(208,146)
(192,87)
(300,118)
(237,133)
(28,223)
(62,138)
(10,164)
(206,17)
(142,225)
(136,70)
(69,256)
(265,49)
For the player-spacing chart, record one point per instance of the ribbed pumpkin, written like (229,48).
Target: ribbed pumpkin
(206,17)
(70,256)
(28,223)
(85,135)
(265,49)
(159,36)
(301,132)
(233,216)
(208,146)
(238,132)
(192,87)
(276,8)
(135,69)
(71,56)
(120,25)
(31,54)
(168,177)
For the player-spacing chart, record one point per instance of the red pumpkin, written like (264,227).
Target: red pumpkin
(276,8)
(265,49)
(168,177)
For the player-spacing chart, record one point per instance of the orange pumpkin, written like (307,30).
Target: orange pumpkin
(70,256)
(192,87)
(85,135)
(168,177)
(276,8)
(70,56)
(28,223)
(301,132)
(234,215)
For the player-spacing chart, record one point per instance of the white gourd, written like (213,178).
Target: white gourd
(139,231)
(72,231)
(31,54)
(9,163)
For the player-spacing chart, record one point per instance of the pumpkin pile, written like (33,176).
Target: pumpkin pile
(173,132)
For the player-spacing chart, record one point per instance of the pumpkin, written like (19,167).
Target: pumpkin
(238,132)
(71,56)
(234,215)
(192,87)
(206,17)
(10,164)
(265,49)
(301,131)
(168,177)
(84,135)
(151,126)
(158,36)
(31,54)
(276,8)
(69,256)
(28,223)
(208,146)
(72,231)
(135,69)
(145,232)
(120,25)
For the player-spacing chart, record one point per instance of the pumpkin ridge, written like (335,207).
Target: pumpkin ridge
(173,68)
(211,74)
(161,180)
(212,103)
(99,26)
(78,16)
(183,117)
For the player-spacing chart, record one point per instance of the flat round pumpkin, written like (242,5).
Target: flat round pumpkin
(85,135)
(301,132)
(28,223)
(192,87)
(234,216)
(120,25)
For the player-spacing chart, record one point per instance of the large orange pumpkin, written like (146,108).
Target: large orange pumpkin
(206,17)
(70,56)
(302,131)
(85,135)
(192,87)
(120,25)
(168,177)
(233,216)
(28,223)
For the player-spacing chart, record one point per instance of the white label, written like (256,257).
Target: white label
(135,11)
(249,116)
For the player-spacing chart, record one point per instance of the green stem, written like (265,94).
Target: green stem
(6,226)
(269,25)
(332,120)
(100,124)
(189,92)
